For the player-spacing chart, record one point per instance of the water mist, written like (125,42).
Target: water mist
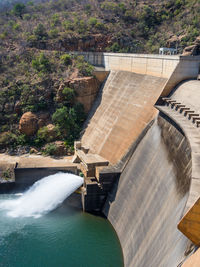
(43,196)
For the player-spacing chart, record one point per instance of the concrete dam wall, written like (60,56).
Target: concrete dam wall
(174,68)
(151,192)
(122,111)
(148,201)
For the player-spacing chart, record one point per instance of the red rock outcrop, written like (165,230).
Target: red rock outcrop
(192,50)
(97,42)
(52,133)
(28,124)
(86,89)
(43,119)
(173,41)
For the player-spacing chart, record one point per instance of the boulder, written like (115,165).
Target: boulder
(8,108)
(59,94)
(52,132)
(33,150)
(61,149)
(173,41)
(58,149)
(197,41)
(17,107)
(43,119)
(28,124)
(192,50)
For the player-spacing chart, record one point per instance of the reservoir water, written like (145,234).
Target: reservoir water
(63,237)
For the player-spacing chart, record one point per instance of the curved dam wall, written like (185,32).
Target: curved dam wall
(148,201)
(122,111)
(188,92)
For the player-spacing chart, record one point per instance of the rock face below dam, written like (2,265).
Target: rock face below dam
(148,201)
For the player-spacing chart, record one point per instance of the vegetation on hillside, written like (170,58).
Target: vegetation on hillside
(35,40)
(30,82)
(110,25)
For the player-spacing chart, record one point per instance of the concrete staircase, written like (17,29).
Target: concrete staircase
(189,122)
(191,115)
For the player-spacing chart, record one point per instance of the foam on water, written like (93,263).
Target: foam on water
(44,196)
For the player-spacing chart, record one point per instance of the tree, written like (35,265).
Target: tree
(40,32)
(69,95)
(66,59)
(69,121)
(19,9)
(41,63)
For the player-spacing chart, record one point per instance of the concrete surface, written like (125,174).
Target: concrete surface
(148,201)
(193,261)
(121,112)
(193,135)
(188,92)
(32,161)
(175,68)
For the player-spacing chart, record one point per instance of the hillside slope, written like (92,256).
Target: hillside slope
(125,26)
(36,74)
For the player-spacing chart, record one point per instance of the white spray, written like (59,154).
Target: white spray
(45,195)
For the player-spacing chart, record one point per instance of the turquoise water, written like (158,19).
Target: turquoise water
(65,237)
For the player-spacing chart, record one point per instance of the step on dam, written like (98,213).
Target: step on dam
(139,153)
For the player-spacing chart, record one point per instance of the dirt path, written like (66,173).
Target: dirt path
(31,161)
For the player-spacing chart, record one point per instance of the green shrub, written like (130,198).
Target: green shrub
(7,139)
(40,32)
(43,135)
(85,68)
(100,26)
(11,23)
(92,21)
(19,9)
(41,63)
(81,26)
(115,47)
(69,121)
(7,174)
(66,59)
(68,25)
(53,33)
(21,139)
(30,3)
(27,17)
(16,27)
(68,94)
(88,8)
(50,149)
(3,35)
(55,20)
(32,39)
(59,117)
